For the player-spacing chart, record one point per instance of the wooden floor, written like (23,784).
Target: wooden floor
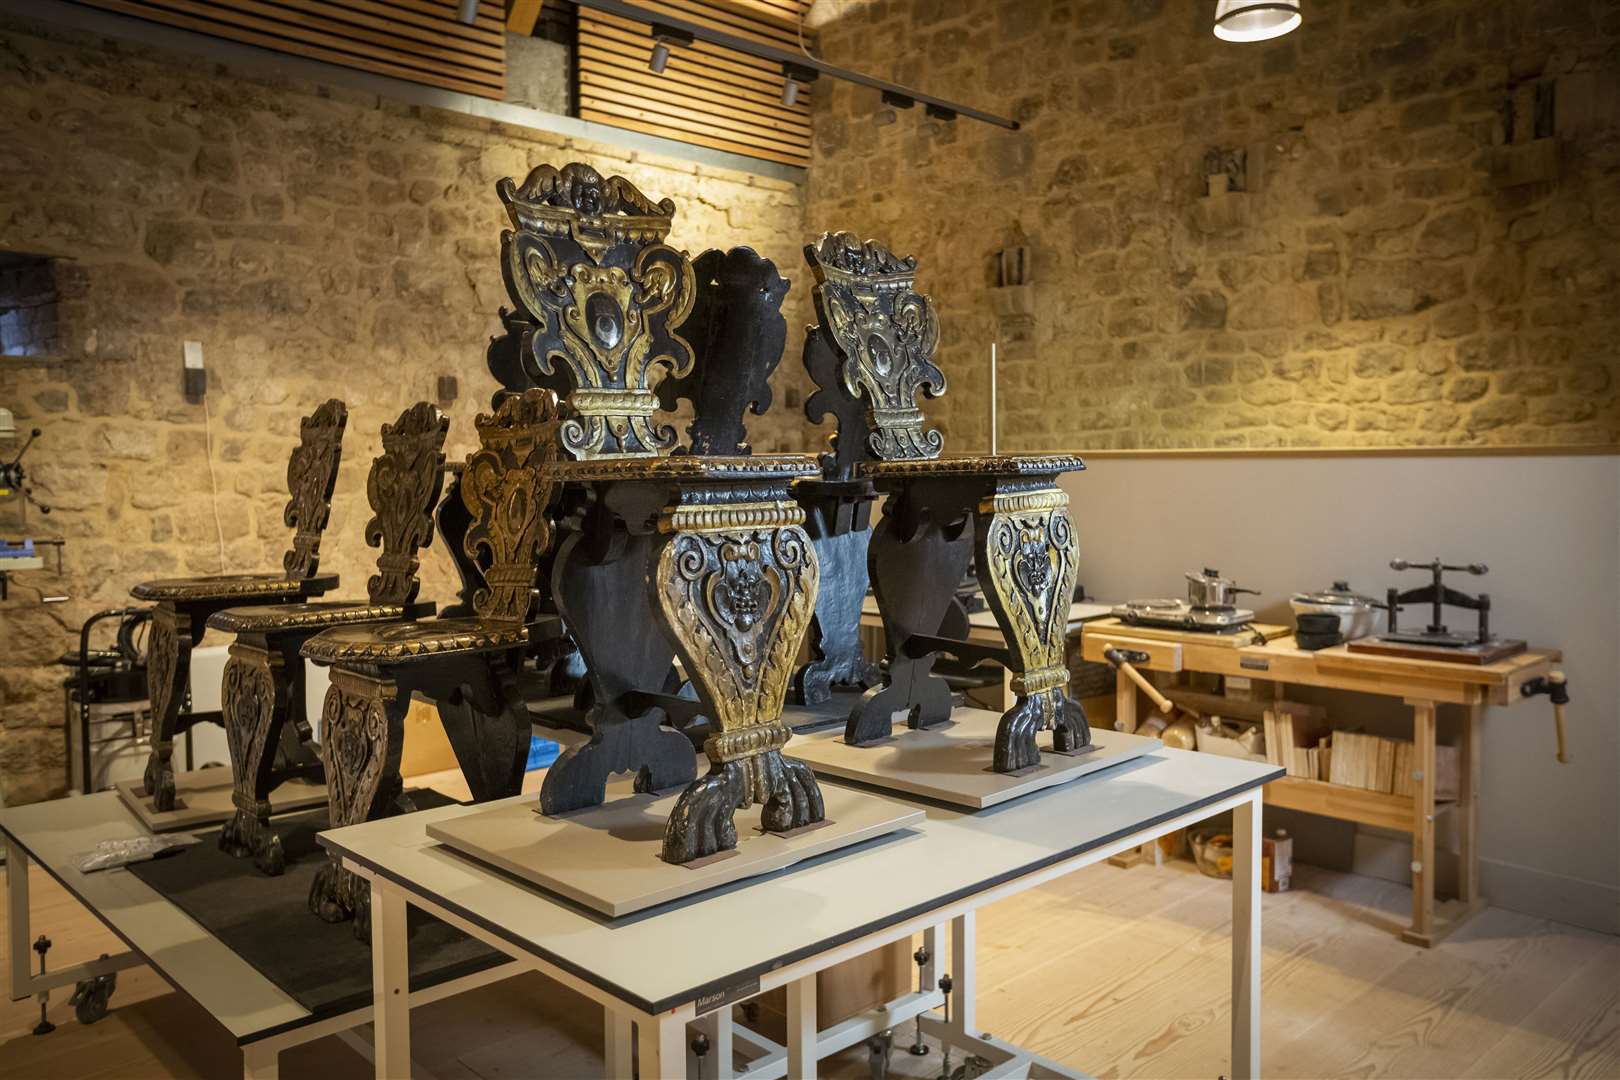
(1114,972)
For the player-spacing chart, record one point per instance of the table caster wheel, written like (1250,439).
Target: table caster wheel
(90,997)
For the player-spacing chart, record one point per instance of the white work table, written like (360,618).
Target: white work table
(675,965)
(263,1020)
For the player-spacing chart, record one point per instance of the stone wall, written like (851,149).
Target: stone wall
(1405,270)
(319,242)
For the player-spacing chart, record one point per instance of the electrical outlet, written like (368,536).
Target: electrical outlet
(196,376)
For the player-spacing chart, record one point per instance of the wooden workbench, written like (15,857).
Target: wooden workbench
(1424,685)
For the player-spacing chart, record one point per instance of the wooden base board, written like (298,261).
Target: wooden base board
(951,763)
(202,797)
(1478,655)
(1235,639)
(608,857)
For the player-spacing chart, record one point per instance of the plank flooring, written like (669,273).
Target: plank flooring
(1120,973)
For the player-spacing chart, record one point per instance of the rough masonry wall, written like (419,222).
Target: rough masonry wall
(1398,277)
(318,242)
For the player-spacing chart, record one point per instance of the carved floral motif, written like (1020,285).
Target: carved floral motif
(311,476)
(402,487)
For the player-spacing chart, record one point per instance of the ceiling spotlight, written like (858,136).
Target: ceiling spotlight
(1255,20)
(663,38)
(794,77)
(468,11)
(939,112)
(897,101)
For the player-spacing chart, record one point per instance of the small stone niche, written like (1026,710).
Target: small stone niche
(30,319)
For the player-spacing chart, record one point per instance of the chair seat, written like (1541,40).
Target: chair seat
(269,618)
(406,641)
(232,586)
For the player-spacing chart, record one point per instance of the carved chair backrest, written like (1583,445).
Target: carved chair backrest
(882,334)
(506,488)
(311,477)
(403,487)
(737,333)
(599,297)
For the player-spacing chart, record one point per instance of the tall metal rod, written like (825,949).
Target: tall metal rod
(992,398)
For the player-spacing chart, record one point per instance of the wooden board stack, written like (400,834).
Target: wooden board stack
(1296,738)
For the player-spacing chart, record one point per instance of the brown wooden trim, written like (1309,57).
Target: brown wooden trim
(623,58)
(687,120)
(211,19)
(692,108)
(614,120)
(522,16)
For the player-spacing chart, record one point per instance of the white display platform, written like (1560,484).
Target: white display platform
(608,857)
(202,797)
(951,763)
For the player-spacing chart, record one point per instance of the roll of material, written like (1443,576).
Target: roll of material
(1312,642)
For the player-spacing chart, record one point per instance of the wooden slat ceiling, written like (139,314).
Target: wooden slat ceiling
(421,41)
(707,95)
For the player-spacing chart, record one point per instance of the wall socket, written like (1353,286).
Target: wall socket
(196,375)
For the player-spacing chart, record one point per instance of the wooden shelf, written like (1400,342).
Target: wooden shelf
(1345,803)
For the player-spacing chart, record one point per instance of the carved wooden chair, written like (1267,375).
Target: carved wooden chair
(465,665)
(1005,513)
(184,605)
(697,554)
(263,692)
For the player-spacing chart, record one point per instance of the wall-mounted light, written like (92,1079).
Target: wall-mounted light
(793,77)
(1255,20)
(663,38)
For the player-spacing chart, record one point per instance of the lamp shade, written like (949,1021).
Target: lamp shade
(1255,20)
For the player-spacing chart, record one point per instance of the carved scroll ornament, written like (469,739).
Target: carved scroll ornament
(403,487)
(599,299)
(884,333)
(311,476)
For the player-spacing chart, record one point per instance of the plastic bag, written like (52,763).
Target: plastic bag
(111,853)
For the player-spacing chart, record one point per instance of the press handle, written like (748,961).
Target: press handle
(1556,686)
(1123,659)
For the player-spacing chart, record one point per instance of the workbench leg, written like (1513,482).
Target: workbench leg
(1468,804)
(802,1034)
(1246,939)
(661,1042)
(17,918)
(1421,931)
(964,942)
(390,981)
(618,1037)
(1124,703)
(717,1063)
(260,1062)
(1008,697)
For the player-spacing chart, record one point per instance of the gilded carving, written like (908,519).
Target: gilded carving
(736,602)
(884,333)
(311,476)
(362,731)
(599,297)
(403,487)
(250,701)
(1027,564)
(506,489)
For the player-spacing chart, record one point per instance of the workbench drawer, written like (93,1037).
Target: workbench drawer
(1164,655)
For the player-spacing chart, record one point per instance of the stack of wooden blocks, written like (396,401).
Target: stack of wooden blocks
(1299,738)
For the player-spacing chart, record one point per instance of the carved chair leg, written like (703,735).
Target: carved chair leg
(835,631)
(168,673)
(736,603)
(486,721)
(914,579)
(362,731)
(1026,566)
(605,605)
(254,699)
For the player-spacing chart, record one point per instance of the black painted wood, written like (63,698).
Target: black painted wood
(737,334)
(837,517)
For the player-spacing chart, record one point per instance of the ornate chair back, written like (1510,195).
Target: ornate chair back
(598,298)
(506,488)
(881,334)
(311,477)
(403,488)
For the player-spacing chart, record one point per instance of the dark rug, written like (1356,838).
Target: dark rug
(267,922)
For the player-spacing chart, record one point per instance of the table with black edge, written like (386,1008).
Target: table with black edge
(263,1019)
(680,966)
